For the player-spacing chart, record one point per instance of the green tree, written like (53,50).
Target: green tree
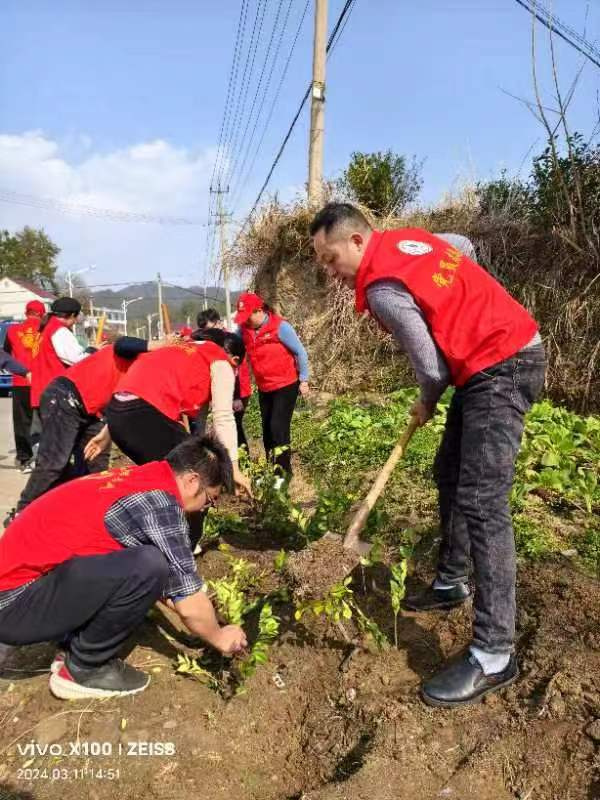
(29,255)
(383,182)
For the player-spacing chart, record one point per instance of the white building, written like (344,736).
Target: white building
(15,294)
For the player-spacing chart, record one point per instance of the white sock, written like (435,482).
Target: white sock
(490,662)
(440,584)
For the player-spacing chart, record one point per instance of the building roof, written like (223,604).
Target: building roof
(31,287)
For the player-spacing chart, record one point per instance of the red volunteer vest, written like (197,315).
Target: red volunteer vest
(69,521)
(46,364)
(472,318)
(96,377)
(175,379)
(23,342)
(245,382)
(272,363)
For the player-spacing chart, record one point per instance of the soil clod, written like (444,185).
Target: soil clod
(314,570)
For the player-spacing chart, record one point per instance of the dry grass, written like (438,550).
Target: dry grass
(553,278)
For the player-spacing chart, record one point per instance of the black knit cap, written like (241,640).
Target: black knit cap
(66,305)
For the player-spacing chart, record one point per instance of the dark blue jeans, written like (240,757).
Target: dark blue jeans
(474,471)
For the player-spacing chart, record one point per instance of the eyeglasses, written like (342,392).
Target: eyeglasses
(210,501)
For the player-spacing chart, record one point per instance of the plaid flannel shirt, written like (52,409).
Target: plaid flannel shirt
(143,518)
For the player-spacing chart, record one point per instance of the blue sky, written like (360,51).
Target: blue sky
(118,105)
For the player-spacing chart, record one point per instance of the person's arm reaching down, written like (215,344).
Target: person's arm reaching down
(222,382)
(130,346)
(289,338)
(12,365)
(396,309)
(156,518)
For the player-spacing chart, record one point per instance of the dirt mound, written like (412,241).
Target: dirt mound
(324,720)
(315,569)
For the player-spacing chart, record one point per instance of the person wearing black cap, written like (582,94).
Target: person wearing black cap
(58,349)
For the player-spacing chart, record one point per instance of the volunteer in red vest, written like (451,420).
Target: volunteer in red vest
(280,366)
(72,407)
(145,415)
(85,563)
(21,342)
(458,327)
(209,320)
(58,349)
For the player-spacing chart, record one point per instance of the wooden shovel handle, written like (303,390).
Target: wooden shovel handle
(360,518)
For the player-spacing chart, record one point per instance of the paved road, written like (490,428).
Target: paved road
(11,480)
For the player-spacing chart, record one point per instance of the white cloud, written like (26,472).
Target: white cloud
(153,177)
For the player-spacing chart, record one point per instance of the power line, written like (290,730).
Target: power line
(245,178)
(242,97)
(566,33)
(224,131)
(246,142)
(333,38)
(112,215)
(237,48)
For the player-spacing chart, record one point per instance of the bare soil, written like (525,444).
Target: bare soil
(315,569)
(329,720)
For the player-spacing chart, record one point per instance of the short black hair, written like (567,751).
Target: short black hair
(208,315)
(334,214)
(230,342)
(206,456)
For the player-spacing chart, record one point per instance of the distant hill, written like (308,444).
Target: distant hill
(182,302)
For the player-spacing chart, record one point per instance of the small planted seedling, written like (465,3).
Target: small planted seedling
(280,560)
(268,628)
(192,667)
(338,605)
(397,591)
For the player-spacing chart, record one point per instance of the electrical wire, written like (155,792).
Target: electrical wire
(566,33)
(333,38)
(248,173)
(109,214)
(246,141)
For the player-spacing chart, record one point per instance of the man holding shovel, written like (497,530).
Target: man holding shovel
(458,327)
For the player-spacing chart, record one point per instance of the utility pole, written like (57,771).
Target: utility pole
(317,107)
(160,300)
(221,221)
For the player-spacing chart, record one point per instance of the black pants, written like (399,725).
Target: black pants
(474,471)
(96,600)
(141,431)
(22,415)
(66,429)
(144,434)
(239,423)
(276,410)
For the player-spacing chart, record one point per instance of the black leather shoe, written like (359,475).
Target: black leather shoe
(430,599)
(463,682)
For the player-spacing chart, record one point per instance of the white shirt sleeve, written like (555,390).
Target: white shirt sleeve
(67,347)
(222,381)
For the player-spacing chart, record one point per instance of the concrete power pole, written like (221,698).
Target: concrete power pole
(161,330)
(222,222)
(317,107)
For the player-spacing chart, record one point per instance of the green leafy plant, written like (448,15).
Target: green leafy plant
(589,549)
(217,522)
(531,540)
(186,665)
(337,605)
(268,628)
(397,591)
(280,560)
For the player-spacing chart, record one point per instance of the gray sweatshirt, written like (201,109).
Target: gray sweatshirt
(395,308)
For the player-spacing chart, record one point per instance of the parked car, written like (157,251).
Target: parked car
(6,379)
